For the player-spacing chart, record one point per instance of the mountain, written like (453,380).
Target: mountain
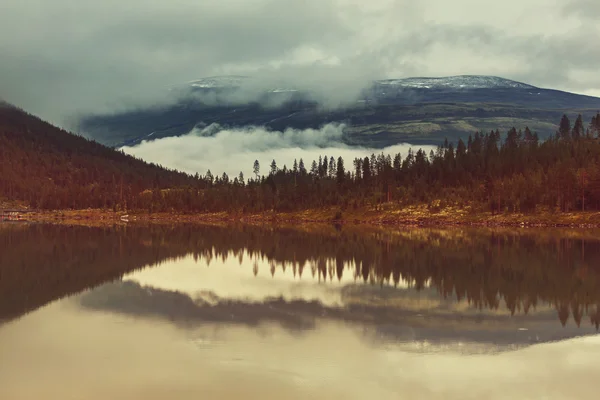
(47,167)
(417,110)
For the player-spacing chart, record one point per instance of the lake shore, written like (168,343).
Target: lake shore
(386,215)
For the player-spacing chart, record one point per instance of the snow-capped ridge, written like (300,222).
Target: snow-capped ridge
(456,82)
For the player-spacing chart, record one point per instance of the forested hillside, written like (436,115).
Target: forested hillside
(53,169)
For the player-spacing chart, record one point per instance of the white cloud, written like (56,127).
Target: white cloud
(232,151)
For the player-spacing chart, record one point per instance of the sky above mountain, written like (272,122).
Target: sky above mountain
(62,57)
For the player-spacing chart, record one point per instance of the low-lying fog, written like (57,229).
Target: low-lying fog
(235,150)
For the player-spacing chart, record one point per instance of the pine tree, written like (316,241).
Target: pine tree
(373,164)
(366,170)
(528,136)
(256,169)
(461,150)
(332,167)
(358,169)
(209,177)
(397,162)
(578,129)
(301,167)
(314,169)
(341,172)
(564,128)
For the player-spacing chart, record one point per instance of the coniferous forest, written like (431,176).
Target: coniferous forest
(50,168)
(498,172)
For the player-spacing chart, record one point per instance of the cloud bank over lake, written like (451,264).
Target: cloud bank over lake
(234,150)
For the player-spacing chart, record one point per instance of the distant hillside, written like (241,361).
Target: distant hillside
(415,110)
(48,167)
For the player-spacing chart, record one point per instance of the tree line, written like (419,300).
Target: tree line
(515,172)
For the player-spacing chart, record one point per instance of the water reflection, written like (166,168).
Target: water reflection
(501,271)
(72,353)
(180,312)
(187,292)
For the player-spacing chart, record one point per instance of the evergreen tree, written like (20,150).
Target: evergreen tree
(366,170)
(358,169)
(256,169)
(578,129)
(461,150)
(301,167)
(341,172)
(273,167)
(209,176)
(397,162)
(564,128)
(314,169)
(332,167)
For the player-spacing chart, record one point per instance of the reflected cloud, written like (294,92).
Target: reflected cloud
(391,323)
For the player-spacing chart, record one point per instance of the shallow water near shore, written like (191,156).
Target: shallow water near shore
(237,311)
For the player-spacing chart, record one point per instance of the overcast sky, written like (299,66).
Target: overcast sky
(59,57)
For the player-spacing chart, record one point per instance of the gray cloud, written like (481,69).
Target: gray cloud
(64,57)
(585,9)
(547,60)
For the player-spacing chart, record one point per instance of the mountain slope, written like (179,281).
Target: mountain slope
(51,168)
(418,110)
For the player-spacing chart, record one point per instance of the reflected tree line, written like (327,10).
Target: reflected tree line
(490,269)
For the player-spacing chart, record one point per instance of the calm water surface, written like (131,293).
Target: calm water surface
(246,312)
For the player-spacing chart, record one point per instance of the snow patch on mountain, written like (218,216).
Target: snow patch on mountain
(225,81)
(459,82)
(456,83)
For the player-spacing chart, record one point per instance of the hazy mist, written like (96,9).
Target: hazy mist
(234,150)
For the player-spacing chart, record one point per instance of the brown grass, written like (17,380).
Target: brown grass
(387,215)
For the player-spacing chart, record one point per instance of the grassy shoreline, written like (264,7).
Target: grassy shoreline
(387,215)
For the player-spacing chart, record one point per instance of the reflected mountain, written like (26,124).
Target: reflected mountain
(393,322)
(487,275)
